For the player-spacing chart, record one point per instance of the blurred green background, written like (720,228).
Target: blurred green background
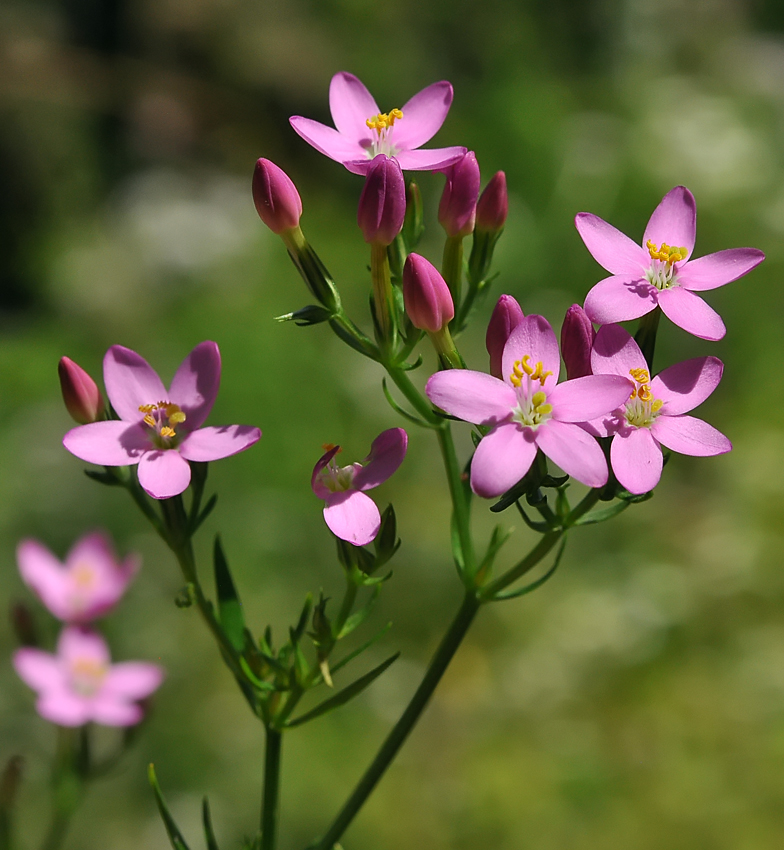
(637,700)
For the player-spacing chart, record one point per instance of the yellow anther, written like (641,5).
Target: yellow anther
(167,432)
(146,408)
(667,253)
(515,380)
(539,398)
(634,394)
(395,115)
(642,376)
(644,393)
(148,420)
(657,405)
(329,446)
(542,409)
(177,417)
(526,366)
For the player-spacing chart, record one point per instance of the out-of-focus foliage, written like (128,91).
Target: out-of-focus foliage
(637,700)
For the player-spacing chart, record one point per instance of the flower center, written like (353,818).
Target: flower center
(661,272)
(83,575)
(532,408)
(162,418)
(337,479)
(383,124)
(642,408)
(86,676)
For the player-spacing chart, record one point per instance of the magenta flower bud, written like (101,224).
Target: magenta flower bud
(507,315)
(577,336)
(382,204)
(427,298)
(493,205)
(457,210)
(81,395)
(276,197)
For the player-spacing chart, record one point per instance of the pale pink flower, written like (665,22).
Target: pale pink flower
(528,410)
(160,429)
(79,685)
(654,415)
(660,272)
(363,131)
(86,586)
(348,512)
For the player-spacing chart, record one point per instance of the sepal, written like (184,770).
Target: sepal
(312,314)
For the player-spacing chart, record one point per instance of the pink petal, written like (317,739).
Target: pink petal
(218,441)
(690,436)
(618,299)
(110,443)
(674,221)
(533,337)
(78,642)
(589,398)
(130,382)
(472,396)
(196,383)
(423,116)
(574,450)
(96,549)
(108,711)
(132,680)
(326,140)
(615,352)
(501,460)
(685,385)
(38,669)
(691,313)
(636,460)
(164,474)
(386,455)
(42,572)
(429,159)
(315,481)
(351,104)
(64,708)
(610,248)
(352,516)
(715,270)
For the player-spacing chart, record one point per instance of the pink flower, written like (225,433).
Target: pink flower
(159,428)
(660,272)
(86,586)
(653,416)
(349,513)
(527,411)
(79,685)
(363,131)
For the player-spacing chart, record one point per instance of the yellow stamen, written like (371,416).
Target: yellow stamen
(167,432)
(148,420)
(146,408)
(177,417)
(666,253)
(657,405)
(329,446)
(380,122)
(644,393)
(535,373)
(642,376)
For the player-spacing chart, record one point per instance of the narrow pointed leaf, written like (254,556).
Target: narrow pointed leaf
(541,527)
(359,617)
(229,605)
(208,508)
(357,652)
(254,680)
(343,696)
(398,409)
(172,830)
(304,617)
(603,514)
(209,834)
(513,594)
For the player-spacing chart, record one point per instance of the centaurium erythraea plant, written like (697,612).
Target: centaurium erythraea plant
(655,414)
(528,410)
(88,585)
(362,131)
(660,272)
(349,513)
(160,429)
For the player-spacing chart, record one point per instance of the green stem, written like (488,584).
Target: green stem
(522,567)
(413,396)
(403,727)
(383,299)
(460,506)
(269,808)
(646,335)
(589,500)
(452,267)
(67,789)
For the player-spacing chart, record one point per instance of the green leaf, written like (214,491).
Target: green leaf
(172,830)
(359,617)
(513,594)
(229,606)
(603,514)
(343,696)
(398,409)
(208,508)
(541,527)
(107,478)
(304,617)
(357,652)
(257,683)
(497,540)
(209,835)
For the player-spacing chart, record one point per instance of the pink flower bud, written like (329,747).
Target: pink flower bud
(276,197)
(493,205)
(81,395)
(427,298)
(507,315)
(457,210)
(382,204)
(577,336)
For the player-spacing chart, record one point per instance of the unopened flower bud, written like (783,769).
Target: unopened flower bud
(457,210)
(276,197)
(493,205)
(382,204)
(81,395)
(427,298)
(507,315)
(577,336)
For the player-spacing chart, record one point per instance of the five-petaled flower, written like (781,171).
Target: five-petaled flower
(86,586)
(529,410)
(348,512)
(654,415)
(160,429)
(363,131)
(660,272)
(78,684)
